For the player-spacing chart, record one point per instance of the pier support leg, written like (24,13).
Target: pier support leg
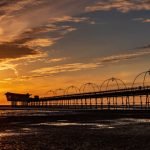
(81,103)
(133,102)
(101,103)
(90,104)
(116,103)
(96,103)
(141,102)
(108,103)
(85,103)
(122,102)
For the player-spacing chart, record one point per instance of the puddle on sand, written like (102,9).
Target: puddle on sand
(93,125)
(22,131)
(6,134)
(104,126)
(99,127)
(58,124)
(128,121)
(26,129)
(123,121)
(136,120)
(100,124)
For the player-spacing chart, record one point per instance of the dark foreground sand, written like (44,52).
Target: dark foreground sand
(85,132)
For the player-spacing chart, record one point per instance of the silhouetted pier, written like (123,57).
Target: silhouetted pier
(136,98)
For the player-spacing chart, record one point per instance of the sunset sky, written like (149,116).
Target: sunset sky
(50,44)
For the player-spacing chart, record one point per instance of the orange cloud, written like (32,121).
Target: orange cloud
(56,60)
(95,63)
(66,68)
(40,42)
(70,19)
(120,5)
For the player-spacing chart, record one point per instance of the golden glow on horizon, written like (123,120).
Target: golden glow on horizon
(45,46)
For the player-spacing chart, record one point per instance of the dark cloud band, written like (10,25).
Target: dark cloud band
(14,51)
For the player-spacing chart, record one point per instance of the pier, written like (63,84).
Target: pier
(120,98)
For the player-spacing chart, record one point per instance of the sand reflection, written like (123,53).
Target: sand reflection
(90,125)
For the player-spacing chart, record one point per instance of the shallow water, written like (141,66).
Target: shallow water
(21,132)
(32,128)
(100,124)
(28,112)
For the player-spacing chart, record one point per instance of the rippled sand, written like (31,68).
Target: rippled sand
(60,131)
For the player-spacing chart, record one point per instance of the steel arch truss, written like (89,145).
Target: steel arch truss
(94,87)
(59,90)
(74,88)
(116,80)
(52,93)
(145,73)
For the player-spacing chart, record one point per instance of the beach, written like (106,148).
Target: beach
(56,130)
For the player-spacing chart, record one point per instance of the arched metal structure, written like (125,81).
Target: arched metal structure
(116,80)
(145,73)
(88,102)
(52,92)
(73,103)
(59,90)
(94,86)
(76,90)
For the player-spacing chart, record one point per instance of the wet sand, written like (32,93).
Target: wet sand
(78,131)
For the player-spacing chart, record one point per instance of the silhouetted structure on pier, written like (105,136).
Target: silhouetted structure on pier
(118,98)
